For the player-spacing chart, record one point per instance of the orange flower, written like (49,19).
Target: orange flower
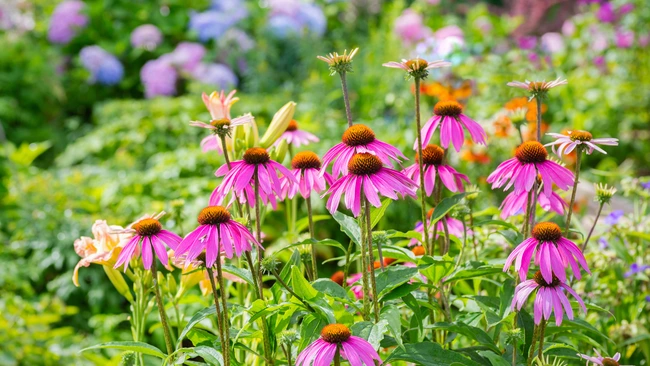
(502,126)
(447,91)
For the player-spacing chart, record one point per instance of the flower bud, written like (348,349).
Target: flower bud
(118,282)
(278,125)
(280,151)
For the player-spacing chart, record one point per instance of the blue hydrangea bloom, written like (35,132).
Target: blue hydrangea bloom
(103,66)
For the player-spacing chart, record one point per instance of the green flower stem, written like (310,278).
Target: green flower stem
(346,270)
(312,236)
(538,101)
(224,303)
(364,267)
(591,231)
(471,225)
(533,208)
(346,98)
(222,335)
(531,350)
(540,354)
(573,193)
(373,282)
(161,310)
(337,357)
(423,195)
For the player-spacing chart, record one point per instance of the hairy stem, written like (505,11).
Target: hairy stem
(423,195)
(373,281)
(161,310)
(224,302)
(591,231)
(573,193)
(538,102)
(346,98)
(222,335)
(312,236)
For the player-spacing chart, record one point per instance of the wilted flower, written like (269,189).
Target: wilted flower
(66,20)
(538,88)
(448,115)
(337,338)
(576,139)
(104,67)
(339,63)
(146,36)
(417,67)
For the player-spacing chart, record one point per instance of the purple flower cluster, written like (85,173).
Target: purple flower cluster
(214,22)
(293,17)
(66,20)
(146,36)
(103,66)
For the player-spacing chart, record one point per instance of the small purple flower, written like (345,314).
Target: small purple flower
(218,75)
(66,20)
(634,269)
(222,15)
(599,61)
(158,77)
(290,18)
(647,298)
(527,42)
(606,13)
(646,185)
(104,67)
(624,39)
(604,244)
(146,36)
(187,56)
(614,217)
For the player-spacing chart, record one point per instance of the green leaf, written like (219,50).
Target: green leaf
(303,223)
(200,337)
(513,237)
(496,222)
(197,318)
(301,286)
(495,360)
(392,277)
(349,226)
(331,288)
(242,273)
(209,355)
(391,314)
(311,326)
(377,213)
(328,242)
(473,333)
(373,333)
(429,354)
(473,269)
(436,268)
(138,347)
(401,291)
(446,205)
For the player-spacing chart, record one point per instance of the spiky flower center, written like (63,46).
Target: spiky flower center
(357,135)
(431,155)
(305,160)
(580,136)
(531,152)
(147,227)
(610,362)
(293,125)
(364,164)
(256,155)
(214,215)
(450,108)
(417,64)
(547,231)
(335,333)
(538,86)
(542,282)
(222,123)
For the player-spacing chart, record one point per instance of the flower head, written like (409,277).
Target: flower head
(217,233)
(553,253)
(339,63)
(578,139)
(550,298)
(240,179)
(604,193)
(538,88)
(530,161)
(448,115)
(146,36)
(67,19)
(147,233)
(432,160)
(417,68)
(338,338)
(359,139)
(602,361)
(368,177)
(296,137)
(306,169)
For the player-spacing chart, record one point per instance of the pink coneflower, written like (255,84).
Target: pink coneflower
(417,67)
(553,253)
(359,139)
(241,178)
(538,88)
(337,338)
(296,137)
(550,298)
(448,115)
(515,204)
(217,233)
(432,159)
(584,139)
(454,226)
(600,360)
(148,233)
(522,170)
(306,169)
(369,177)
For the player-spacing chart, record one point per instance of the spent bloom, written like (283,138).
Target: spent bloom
(553,253)
(339,63)
(368,177)
(147,233)
(255,167)
(433,165)
(66,20)
(448,115)
(538,88)
(550,298)
(359,139)
(578,139)
(306,170)
(417,67)
(337,338)
(522,170)
(146,36)
(600,360)
(217,233)
(103,66)
(219,104)
(516,203)
(296,137)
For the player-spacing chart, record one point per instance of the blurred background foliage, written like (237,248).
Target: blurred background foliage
(75,150)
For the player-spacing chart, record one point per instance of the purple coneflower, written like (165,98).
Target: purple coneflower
(553,253)
(432,159)
(538,86)
(600,360)
(369,177)
(567,143)
(449,116)
(515,204)
(454,226)
(217,127)
(359,139)
(240,179)
(306,169)
(217,233)
(148,233)
(417,67)
(296,137)
(522,170)
(337,338)
(550,298)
